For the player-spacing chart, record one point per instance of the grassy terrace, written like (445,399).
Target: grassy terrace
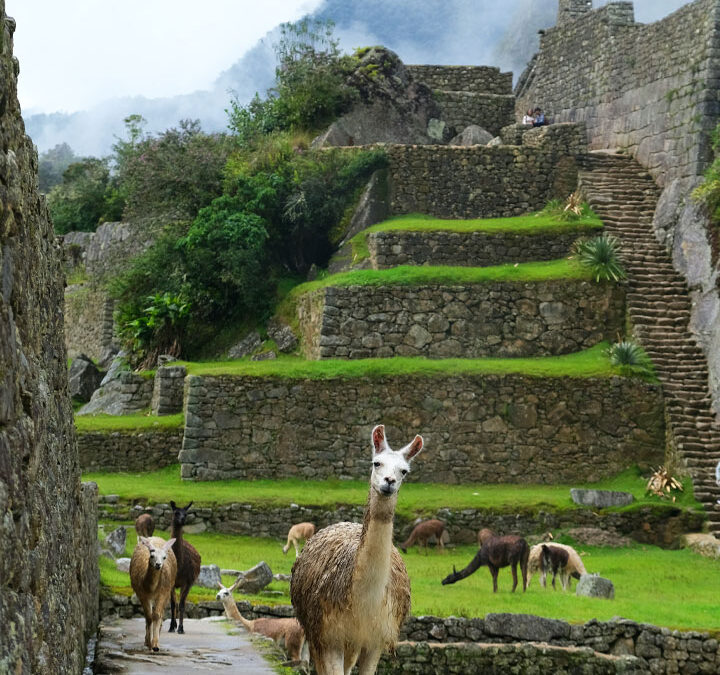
(592,362)
(417,498)
(530,224)
(677,589)
(140,422)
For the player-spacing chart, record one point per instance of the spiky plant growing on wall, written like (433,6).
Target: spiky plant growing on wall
(601,255)
(631,356)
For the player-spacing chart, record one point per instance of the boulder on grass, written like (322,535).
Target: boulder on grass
(282,334)
(209,576)
(115,541)
(251,342)
(601,499)
(255,579)
(594,586)
(472,135)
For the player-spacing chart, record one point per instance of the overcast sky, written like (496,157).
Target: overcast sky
(74,53)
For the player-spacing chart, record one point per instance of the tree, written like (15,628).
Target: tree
(52,164)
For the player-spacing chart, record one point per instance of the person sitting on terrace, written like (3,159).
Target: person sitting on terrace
(539,118)
(528,118)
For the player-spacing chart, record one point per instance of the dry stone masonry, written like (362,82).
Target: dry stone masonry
(390,248)
(129,450)
(48,521)
(168,385)
(473,321)
(482,428)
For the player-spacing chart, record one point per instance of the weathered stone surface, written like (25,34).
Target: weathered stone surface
(372,207)
(282,335)
(247,345)
(115,541)
(84,378)
(123,565)
(112,245)
(594,586)
(209,576)
(129,450)
(126,394)
(264,356)
(392,107)
(48,518)
(586,428)
(470,321)
(168,389)
(255,579)
(472,135)
(596,536)
(526,627)
(600,499)
(704,544)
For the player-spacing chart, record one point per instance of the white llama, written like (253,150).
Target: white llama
(349,585)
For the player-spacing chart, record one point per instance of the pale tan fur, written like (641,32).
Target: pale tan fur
(349,587)
(425,531)
(144,525)
(297,535)
(287,633)
(575,564)
(152,586)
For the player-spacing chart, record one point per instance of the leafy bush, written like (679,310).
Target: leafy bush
(601,255)
(709,192)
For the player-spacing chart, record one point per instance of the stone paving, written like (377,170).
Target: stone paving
(208,645)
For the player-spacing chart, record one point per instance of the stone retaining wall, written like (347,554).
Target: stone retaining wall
(129,450)
(510,643)
(661,525)
(168,387)
(475,79)
(390,248)
(472,321)
(88,321)
(460,109)
(483,182)
(477,428)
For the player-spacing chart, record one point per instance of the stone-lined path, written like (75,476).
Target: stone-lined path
(208,645)
(624,195)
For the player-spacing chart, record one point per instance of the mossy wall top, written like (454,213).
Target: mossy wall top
(649,89)
(48,523)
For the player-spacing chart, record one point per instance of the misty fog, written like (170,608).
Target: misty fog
(477,32)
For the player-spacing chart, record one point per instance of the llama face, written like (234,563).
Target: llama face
(389,466)
(224,593)
(158,554)
(179,515)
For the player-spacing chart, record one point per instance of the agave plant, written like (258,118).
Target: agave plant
(574,204)
(601,255)
(661,484)
(627,353)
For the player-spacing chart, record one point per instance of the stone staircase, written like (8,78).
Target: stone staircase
(624,195)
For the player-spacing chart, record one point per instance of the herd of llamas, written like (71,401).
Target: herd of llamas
(349,585)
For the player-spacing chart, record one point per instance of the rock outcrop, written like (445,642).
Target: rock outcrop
(48,521)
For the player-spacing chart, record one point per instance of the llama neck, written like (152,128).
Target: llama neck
(231,609)
(177,533)
(151,579)
(372,561)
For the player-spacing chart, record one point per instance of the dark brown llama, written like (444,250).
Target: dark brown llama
(554,559)
(144,525)
(422,532)
(497,552)
(188,567)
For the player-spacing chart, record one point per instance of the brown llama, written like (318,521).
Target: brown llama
(188,567)
(574,568)
(286,632)
(424,531)
(497,552)
(144,525)
(553,559)
(298,534)
(349,587)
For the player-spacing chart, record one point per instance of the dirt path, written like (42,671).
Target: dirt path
(208,645)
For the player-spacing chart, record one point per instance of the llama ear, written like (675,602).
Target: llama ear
(188,506)
(172,505)
(378,439)
(144,541)
(168,544)
(237,581)
(220,586)
(409,451)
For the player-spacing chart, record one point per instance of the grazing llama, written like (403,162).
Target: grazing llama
(152,574)
(496,552)
(287,633)
(574,567)
(424,531)
(297,535)
(349,586)
(188,567)
(144,525)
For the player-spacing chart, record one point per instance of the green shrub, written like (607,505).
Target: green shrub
(630,355)
(601,255)
(572,209)
(709,192)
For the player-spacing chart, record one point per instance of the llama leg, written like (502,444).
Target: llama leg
(514,575)
(349,660)
(173,610)
(181,608)
(147,606)
(156,621)
(554,573)
(494,572)
(332,663)
(297,549)
(543,578)
(367,663)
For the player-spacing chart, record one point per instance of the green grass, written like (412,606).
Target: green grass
(530,224)
(677,589)
(592,362)
(94,423)
(417,498)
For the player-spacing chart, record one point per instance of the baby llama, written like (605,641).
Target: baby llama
(349,585)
